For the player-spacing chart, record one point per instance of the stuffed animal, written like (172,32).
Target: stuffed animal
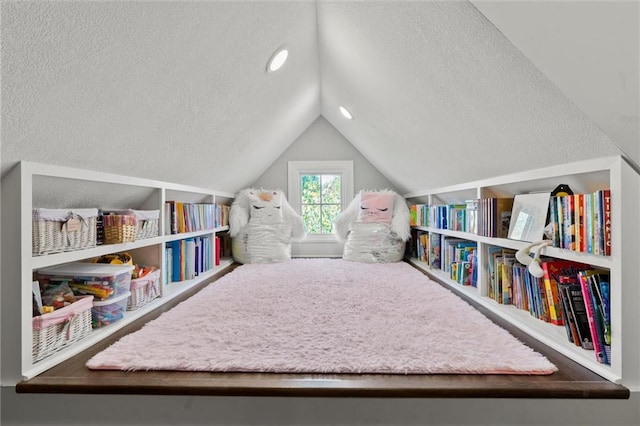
(374,227)
(376,207)
(262,225)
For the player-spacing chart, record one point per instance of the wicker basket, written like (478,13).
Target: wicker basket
(58,230)
(58,329)
(119,228)
(147,226)
(144,290)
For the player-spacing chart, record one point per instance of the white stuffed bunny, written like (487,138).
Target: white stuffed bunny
(262,225)
(261,206)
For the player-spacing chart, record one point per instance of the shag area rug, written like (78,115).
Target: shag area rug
(324,316)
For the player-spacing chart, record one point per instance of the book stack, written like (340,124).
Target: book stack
(190,217)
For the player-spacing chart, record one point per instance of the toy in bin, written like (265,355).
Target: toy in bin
(99,280)
(123,258)
(105,312)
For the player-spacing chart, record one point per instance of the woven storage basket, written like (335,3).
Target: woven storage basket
(147,226)
(58,329)
(144,290)
(58,230)
(119,228)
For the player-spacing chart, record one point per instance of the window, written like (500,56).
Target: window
(319,191)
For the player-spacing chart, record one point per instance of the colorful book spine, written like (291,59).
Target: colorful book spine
(606,202)
(598,341)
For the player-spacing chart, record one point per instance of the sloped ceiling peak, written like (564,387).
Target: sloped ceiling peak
(440,96)
(153,89)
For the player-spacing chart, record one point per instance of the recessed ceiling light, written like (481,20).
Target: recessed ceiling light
(346,113)
(277,60)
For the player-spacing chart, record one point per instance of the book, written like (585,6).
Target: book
(502,216)
(413,215)
(434,252)
(553,221)
(492,252)
(570,321)
(578,311)
(569,222)
(529,216)
(579,226)
(606,203)
(508,259)
(597,334)
(560,213)
(553,269)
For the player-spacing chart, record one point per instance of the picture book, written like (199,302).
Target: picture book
(529,215)
(434,252)
(502,216)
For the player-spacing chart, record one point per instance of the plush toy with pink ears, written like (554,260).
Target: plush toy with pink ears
(374,227)
(383,206)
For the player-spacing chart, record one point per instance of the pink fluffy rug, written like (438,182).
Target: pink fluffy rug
(324,316)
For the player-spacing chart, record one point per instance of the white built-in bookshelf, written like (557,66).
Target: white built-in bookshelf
(31,185)
(612,173)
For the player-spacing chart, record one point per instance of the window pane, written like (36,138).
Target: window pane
(311,218)
(310,189)
(331,189)
(329,214)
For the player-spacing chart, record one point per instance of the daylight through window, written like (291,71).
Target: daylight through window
(320,201)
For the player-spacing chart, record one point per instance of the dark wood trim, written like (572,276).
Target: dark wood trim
(571,381)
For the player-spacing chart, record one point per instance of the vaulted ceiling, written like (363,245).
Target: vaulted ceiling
(441,91)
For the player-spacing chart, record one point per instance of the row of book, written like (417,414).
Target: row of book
(582,222)
(190,217)
(188,258)
(569,294)
(485,216)
(455,256)
(578,222)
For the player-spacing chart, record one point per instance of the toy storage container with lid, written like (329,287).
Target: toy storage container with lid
(103,281)
(105,312)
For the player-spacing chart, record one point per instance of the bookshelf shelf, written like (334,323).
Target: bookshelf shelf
(610,173)
(31,185)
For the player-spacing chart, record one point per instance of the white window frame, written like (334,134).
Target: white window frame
(298,168)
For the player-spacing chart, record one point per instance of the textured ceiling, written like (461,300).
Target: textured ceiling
(441,97)
(589,49)
(177,91)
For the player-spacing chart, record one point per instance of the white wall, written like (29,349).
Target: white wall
(320,142)
(25,409)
